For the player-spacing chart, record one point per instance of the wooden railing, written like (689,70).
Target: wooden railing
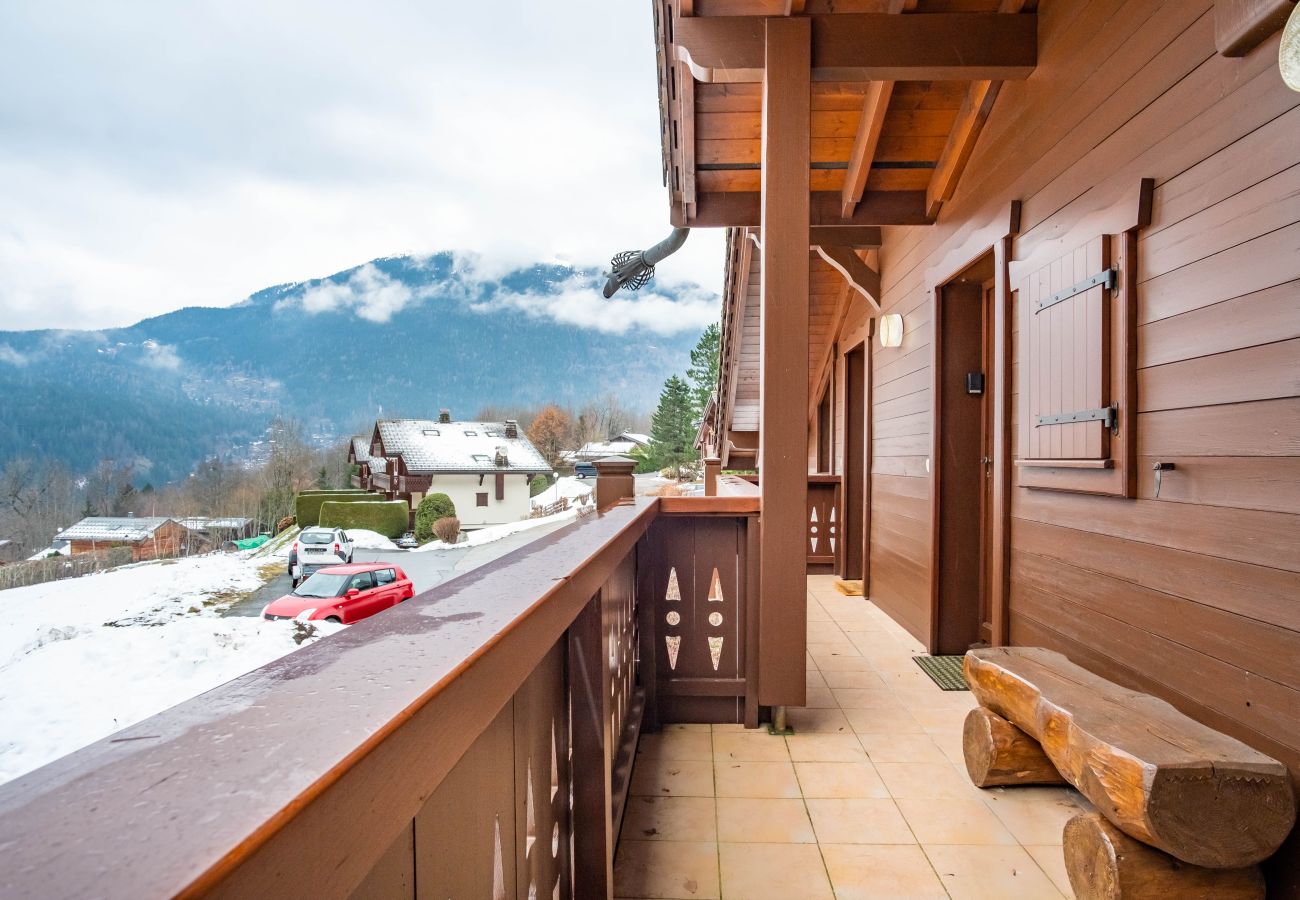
(480,736)
(823,522)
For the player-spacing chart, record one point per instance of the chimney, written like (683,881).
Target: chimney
(503,457)
(512,428)
(444,416)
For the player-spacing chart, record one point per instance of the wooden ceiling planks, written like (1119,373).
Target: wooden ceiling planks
(915,137)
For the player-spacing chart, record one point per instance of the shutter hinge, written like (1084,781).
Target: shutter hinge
(1107,278)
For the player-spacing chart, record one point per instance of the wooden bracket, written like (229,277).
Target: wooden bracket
(861,277)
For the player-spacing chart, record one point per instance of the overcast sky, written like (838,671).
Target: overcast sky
(155,155)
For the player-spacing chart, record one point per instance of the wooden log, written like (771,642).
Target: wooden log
(998,752)
(1104,863)
(1162,777)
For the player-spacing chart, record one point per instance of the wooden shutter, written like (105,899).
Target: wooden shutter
(1067,332)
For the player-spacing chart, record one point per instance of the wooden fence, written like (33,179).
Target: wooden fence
(40,571)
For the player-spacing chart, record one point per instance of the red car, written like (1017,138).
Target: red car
(344,594)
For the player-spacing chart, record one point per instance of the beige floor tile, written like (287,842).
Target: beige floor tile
(888,747)
(1052,861)
(670,819)
(735,778)
(774,872)
(881,872)
(687,726)
(667,869)
(746,821)
(990,873)
(864,679)
(926,781)
(1035,815)
(938,719)
(825,748)
(725,727)
(749,746)
(953,822)
(866,698)
(672,778)
(821,698)
(843,664)
(871,821)
(818,721)
(825,632)
(677,745)
(823,652)
(887,721)
(841,780)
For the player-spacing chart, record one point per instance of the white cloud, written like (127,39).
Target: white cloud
(368,292)
(578,302)
(11,356)
(160,356)
(270,143)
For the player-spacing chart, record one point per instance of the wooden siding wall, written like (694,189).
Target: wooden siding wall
(1194,596)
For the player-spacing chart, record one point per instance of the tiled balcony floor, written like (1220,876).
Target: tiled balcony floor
(868,799)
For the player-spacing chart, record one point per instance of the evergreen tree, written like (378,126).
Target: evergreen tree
(672,429)
(703,372)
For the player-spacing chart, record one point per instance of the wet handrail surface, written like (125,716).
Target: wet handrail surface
(177,803)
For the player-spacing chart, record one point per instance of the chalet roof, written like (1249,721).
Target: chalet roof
(430,446)
(360,448)
(634,437)
(128,529)
(205,523)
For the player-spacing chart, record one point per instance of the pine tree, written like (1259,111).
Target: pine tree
(703,372)
(672,429)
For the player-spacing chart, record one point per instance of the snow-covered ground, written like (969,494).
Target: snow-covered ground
(568,486)
(369,540)
(497,532)
(83,658)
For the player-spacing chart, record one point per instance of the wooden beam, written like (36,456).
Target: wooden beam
(975,109)
(783,378)
(1242,25)
(972,115)
(870,47)
(714,209)
(686,134)
(848,236)
(860,276)
(874,107)
(793,7)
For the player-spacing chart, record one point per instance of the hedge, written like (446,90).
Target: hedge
(306,507)
(388,517)
(331,491)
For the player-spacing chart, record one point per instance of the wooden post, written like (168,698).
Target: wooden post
(783,382)
(614,481)
(712,469)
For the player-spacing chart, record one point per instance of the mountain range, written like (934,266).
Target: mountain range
(396,336)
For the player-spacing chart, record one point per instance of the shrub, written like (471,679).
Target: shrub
(307,506)
(447,529)
(431,509)
(538,484)
(388,517)
(286,522)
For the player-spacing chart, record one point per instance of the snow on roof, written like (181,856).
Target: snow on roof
(204,523)
(426,445)
(635,437)
(105,528)
(361,448)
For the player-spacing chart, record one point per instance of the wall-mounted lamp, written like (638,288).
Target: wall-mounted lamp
(891,330)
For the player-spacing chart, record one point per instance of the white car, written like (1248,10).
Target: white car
(315,548)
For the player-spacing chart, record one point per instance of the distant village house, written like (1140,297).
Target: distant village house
(148,537)
(619,445)
(484,467)
(359,459)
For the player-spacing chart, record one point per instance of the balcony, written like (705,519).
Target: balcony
(483,741)
(868,798)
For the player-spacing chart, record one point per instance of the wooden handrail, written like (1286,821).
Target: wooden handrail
(228,792)
(735,486)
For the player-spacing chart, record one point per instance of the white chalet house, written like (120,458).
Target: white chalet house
(484,467)
(618,445)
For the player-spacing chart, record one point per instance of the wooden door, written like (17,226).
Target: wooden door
(961,552)
(986,463)
(854,528)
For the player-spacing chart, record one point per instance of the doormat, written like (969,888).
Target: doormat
(849,588)
(944,671)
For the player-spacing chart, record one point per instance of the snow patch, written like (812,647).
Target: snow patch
(497,532)
(363,539)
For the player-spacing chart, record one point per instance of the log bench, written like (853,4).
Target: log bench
(1160,779)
